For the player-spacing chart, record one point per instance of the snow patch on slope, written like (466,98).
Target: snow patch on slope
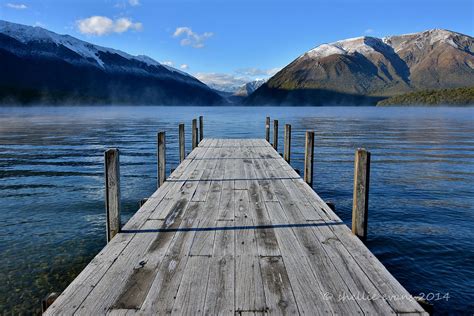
(26,34)
(363,45)
(367,45)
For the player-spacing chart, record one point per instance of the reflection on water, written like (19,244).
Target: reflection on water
(421,200)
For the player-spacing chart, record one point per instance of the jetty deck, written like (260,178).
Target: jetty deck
(235,230)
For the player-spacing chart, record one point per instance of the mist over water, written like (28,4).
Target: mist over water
(421,206)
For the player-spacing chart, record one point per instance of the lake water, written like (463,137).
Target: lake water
(421,212)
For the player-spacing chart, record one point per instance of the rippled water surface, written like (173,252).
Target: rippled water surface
(421,222)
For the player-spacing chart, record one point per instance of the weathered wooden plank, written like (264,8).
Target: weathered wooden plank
(226,202)
(220,287)
(307,289)
(249,292)
(191,295)
(162,293)
(266,239)
(278,292)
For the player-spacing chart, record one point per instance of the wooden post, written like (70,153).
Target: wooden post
(331,205)
(112,192)
(182,153)
(287,143)
(360,203)
(48,301)
(308,158)
(194,133)
(201,128)
(275,134)
(161,158)
(142,202)
(267,129)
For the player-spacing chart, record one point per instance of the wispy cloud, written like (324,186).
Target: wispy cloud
(369,31)
(102,25)
(167,63)
(17,6)
(184,66)
(257,71)
(190,38)
(122,4)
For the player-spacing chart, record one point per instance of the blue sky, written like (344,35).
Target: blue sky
(234,40)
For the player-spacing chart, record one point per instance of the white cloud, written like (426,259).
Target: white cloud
(184,66)
(102,25)
(167,63)
(257,71)
(369,31)
(190,38)
(134,3)
(17,6)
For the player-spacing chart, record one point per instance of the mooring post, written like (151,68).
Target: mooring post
(194,133)
(201,128)
(275,134)
(267,129)
(287,143)
(142,202)
(360,203)
(308,158)
(161,158)
(112,192)
(48,301)
(182,153)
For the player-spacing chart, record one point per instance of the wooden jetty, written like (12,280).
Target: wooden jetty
(235,230)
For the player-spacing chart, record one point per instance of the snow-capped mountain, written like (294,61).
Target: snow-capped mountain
(248,88)
(40,65)
(366,69)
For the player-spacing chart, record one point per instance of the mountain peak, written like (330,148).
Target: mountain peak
(363,45)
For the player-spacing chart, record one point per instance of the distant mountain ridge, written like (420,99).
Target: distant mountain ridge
(248,88)
(365,70)
(37,65)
